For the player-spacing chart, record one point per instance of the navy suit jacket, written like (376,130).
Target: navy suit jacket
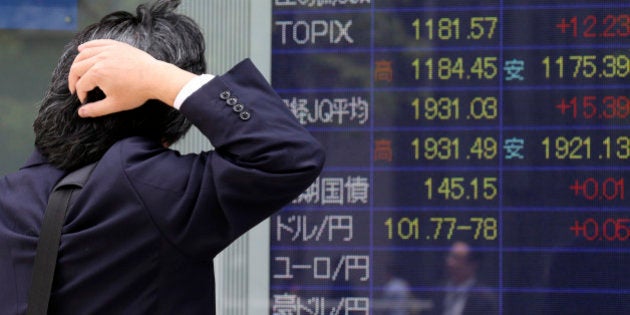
(141,235)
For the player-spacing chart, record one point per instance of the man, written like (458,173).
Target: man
(464,295)
(141,235)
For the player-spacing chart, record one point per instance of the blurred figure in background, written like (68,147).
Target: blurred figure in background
(463,293)
(396,295)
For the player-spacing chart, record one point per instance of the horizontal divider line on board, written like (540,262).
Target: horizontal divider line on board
(609,248)
(463,209)
(469,128)
(459,8)
(497,168)
(503,289)
(467,48)
(486,88)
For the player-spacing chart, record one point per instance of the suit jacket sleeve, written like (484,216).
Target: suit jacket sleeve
(262,160)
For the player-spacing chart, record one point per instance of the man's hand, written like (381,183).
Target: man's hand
(127,76)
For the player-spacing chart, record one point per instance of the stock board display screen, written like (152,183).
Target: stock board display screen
(476,157)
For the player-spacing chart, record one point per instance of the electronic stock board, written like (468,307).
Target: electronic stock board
(499,124)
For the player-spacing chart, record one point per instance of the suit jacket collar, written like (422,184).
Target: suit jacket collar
(35,159)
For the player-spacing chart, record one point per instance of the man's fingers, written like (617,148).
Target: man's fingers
(84,85)
(82,63)
(88,56)
(98,43)
(118,70)
(100,108)
(90,52)
(78,70)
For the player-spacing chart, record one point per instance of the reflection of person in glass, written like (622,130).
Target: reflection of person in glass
(464,294)
(397,294)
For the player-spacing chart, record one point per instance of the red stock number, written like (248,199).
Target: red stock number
(611,229)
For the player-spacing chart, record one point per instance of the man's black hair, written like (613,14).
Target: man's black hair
(69,141)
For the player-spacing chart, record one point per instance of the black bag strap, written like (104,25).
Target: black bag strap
(49,236)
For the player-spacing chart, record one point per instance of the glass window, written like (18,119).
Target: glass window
(32,37)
